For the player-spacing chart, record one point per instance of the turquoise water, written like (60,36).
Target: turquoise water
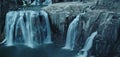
(41,51)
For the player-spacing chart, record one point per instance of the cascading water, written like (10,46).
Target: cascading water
(47,2)
(10,23)
(28,28)
(48,38)
(37,2)
(88,45)
(71,34)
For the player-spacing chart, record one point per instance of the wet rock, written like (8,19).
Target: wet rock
(87,25)
(107,23)
(57,1)
(111,5)
(61,14)
(0,15)
(1,37)
(107,36)
(5,6)
(116,50)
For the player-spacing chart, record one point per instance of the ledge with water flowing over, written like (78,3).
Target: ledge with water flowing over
(104,21)
(73,29)
(34,8)
(61,14)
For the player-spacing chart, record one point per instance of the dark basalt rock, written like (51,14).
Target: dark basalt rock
(5,6)
(106,22)
(107,37)
(61,15)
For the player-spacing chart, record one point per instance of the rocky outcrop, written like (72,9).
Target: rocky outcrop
(5,6)
(107,23)
(61,14)
(57,1)
(108,35)
(111,5)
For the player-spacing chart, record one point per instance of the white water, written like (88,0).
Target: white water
(47,2)
(24,27)
(25,2)
(10,23)
(71,34)
(37,2)
(88,44)
(3,41)
(48,38)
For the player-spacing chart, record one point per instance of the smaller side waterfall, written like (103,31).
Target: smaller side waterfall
(28,28)
(71,34)
(88,45)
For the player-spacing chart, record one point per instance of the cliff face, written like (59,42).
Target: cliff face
(5,6)
(102,16)
(61,14)
(106,22)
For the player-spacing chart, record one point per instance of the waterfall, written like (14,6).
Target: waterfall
(27,28)
(26,2)
(10,23)
(48,38)
(47,2)
(88,45)
(71,34)
(37,2)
